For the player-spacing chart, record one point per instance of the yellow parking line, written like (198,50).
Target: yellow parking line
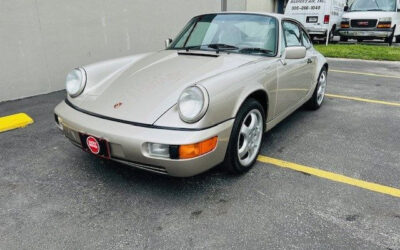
(364,100)
(363,73)
(332,176)
(14,121)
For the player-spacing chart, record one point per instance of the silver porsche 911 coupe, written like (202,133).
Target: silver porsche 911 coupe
(205,100)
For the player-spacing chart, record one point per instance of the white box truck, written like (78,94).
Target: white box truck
(321,18)
(372,19)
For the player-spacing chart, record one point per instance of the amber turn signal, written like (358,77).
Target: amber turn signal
(345,25)
(197,149)
(384,25)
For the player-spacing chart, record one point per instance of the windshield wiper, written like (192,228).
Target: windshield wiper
(190,47)
(255,50)
(221,46)
(217,46)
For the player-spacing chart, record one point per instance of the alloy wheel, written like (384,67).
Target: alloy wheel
(321,87)
(250,136)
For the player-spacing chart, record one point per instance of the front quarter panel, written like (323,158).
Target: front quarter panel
(228,91)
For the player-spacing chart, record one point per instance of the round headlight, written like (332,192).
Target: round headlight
(76,82)
(193,104)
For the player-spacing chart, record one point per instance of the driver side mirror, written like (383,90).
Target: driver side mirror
(168,43)
(297,52)
(346,8)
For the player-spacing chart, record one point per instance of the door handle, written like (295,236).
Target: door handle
(309,60)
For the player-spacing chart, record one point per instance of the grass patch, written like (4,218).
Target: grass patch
(355,51)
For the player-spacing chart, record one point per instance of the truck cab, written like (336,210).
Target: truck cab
(371,19)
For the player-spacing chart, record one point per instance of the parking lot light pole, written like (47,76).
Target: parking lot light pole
(224,5)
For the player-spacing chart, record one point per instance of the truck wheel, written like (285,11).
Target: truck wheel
(331,36)
(359,40)
(397,39)
(389,40)
(343,39)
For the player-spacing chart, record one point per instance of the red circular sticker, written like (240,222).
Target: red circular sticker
(93,145)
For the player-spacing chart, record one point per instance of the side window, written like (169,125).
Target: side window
(292,34)
(306,41)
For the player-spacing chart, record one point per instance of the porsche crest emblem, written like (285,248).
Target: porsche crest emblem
(117,105)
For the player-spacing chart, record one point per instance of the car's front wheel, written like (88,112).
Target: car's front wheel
(318,96)
(246,137)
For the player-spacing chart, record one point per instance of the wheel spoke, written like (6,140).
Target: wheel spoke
(243,150)
(253,122)
(244,130)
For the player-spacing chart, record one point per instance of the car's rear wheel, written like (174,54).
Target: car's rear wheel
(397,39)
(246,138)
(343,39)
(319,93)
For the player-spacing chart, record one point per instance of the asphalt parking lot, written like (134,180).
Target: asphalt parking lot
(53,195)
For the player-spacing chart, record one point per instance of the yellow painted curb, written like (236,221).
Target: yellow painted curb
(332,176)
(363,100)
(10,122)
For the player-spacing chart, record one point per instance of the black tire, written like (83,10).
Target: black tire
(389,40)
(397,39)
(313,104)
(359,40)
(231,162)
(331,35)
(343,39)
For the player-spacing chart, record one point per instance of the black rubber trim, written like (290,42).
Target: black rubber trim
(138,124)
(196,54)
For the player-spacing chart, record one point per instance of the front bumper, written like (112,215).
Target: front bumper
(366,33)
(316,31)
(127,142)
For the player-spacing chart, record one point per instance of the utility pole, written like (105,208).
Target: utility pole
(224,5)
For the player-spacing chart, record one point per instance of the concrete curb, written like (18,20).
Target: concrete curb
(364,61)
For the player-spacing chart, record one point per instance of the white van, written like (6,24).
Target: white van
(319,17)
(371,19)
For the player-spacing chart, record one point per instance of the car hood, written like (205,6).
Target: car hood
(146,89)
(368,14)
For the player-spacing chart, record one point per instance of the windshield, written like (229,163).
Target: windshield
(373,5)
(236,33)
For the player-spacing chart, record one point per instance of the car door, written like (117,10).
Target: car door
(311,57)
(294,75)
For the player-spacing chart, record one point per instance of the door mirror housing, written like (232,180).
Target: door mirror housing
(168,43)
(346,8)
(297,52)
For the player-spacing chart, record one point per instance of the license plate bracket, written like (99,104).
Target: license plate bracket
(94,145)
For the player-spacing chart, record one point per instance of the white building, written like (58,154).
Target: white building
(42,40)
